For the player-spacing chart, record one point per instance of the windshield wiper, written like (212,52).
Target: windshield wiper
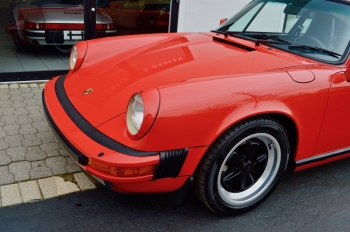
(227,33)
(317,49)
(258,38)
(265,38)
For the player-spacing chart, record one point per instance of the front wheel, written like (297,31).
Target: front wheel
(243,166)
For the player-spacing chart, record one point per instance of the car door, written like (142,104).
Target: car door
(334,139)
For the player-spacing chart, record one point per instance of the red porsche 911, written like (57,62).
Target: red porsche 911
(225,112)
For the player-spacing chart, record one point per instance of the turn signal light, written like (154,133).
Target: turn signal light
(137,171)
(123,171)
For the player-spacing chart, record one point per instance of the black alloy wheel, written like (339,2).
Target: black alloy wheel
(243,166)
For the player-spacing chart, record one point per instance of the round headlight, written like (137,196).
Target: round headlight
(135,114)
(77,55)
(142,112)
(73,57)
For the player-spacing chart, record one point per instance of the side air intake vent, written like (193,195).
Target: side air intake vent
(170,163)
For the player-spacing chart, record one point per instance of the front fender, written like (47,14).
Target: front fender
(195,113)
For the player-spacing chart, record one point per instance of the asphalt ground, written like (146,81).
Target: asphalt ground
(312,200)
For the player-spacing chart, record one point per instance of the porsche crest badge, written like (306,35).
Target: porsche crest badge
(88,91)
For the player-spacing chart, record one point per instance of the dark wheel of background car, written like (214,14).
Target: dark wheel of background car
(63,48)
(243,166)
(310,41)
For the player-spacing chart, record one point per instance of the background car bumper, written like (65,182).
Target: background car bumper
(62,37)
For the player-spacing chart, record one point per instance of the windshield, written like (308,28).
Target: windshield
(318,29)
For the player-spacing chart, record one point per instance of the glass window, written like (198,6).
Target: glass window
(241,23)
(313,28)
(270,18)
(37,35)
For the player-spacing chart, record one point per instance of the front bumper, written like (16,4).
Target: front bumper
(83,142)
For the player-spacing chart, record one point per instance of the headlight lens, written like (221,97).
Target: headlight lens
(73,57)
(77,55)
(142,112)
(135,114)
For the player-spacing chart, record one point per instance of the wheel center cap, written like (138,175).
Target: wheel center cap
(248,167)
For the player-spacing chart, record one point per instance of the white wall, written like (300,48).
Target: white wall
(205,15)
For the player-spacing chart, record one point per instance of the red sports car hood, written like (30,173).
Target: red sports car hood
(117,68)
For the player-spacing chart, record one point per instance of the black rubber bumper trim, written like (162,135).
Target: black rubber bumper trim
(72,151)
(170,163)
(90,130)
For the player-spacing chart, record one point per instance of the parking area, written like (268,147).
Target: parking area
(33,166)
(312,200)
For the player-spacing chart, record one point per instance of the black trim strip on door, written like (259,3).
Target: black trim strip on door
(90,130)
(322,157)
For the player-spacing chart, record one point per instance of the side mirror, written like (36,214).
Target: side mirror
(222,21)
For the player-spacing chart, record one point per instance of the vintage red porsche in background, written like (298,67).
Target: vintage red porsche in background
(230,110)
(58,23)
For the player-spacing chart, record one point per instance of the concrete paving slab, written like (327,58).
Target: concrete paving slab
(84,182)
(72,167)
(14,86)
(65,187)
(33,85)
(35,154)
(4,159)
(6,176)
(10,195)
(30,191)
(23,85)
(20,170)
(40,170)
(48,187)
(57,164)
(17,153)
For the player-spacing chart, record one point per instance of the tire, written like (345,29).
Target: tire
(243,166)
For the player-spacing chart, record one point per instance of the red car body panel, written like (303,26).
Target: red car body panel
(288,85)
(169,60)
(89,147)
